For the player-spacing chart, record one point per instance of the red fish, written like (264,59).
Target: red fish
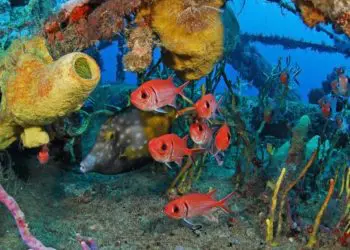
(156,94)
(223,138)
(169,148)
(284,78)
(201,133)
(326,109)
(79,12)
(43,155)
(206,106)
(196,204)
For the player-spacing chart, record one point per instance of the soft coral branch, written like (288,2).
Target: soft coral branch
(22,226)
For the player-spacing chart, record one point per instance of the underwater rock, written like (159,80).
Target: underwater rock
(122,144)
(37,90)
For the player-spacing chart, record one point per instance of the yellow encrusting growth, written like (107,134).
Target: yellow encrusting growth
(37,90)
(313,239)
(192,53)
(292,185)
(34,137)
(270,220)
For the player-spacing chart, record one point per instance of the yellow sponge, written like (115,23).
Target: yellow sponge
(37,90)
(193,43)
(34,137)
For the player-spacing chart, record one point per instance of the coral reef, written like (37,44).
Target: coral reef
(335,11)
(140,42)
(300,131)
(35,89)
(311,16)
(91,21)
(191,54)
(315,95)
(22,20)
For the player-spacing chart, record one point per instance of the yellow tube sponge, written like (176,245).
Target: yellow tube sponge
(192,34)
(37,90)
(39,93)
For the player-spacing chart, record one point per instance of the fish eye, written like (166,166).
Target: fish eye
(200,128)
(164,147)
(207,105)
(176,209)
(144,95)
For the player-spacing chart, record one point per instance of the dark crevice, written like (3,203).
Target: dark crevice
(18,3)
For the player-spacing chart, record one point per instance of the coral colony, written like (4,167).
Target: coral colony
(186,126)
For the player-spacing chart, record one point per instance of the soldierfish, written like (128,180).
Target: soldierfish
(43,155)
(207,106)
(201,133)
(153,95)
(196,204)
(170,148)
(223,138)
(221,142)
(326,109)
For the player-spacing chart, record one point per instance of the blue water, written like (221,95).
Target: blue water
(258,17)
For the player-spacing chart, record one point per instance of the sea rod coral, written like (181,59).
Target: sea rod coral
(9,202)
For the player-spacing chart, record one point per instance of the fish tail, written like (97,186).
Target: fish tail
(219,104)
(180,90)
(192,152)
(223,203)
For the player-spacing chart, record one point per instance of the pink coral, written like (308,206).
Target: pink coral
(22,226)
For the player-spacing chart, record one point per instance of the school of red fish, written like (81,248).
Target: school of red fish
(154,95)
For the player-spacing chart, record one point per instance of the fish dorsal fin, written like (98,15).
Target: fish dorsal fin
(185,138)
(212,193)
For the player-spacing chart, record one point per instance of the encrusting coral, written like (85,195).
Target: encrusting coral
(83,22)
(140,43)
(335,11)
(191,34)
(37,90)
(311,15)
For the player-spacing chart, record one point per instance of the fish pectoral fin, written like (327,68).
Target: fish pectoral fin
(218,159)
(179,162)
(160,110)
(191,225)
(173,104)
(168,165)
(212,217)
